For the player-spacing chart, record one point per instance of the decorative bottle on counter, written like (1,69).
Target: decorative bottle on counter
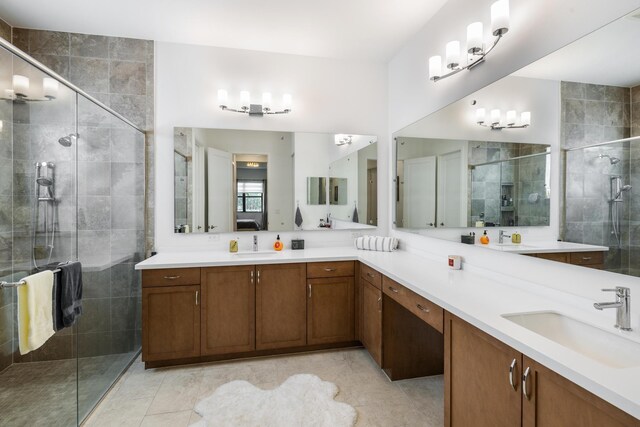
(278,246)
(484,239)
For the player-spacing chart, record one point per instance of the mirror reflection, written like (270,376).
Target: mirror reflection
(229,180)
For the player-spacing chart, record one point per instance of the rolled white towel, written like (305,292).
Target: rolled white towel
(376,243)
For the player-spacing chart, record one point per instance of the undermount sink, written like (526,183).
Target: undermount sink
(608,348)
(256,253)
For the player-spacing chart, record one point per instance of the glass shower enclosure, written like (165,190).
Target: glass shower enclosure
(71,188)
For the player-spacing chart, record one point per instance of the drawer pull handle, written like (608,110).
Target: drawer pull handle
(371,275)
(422,308)
(197,297)
(512,369)
(525,388)
(258,274)
(329,269)
(171,277)
(392,289)
(379,303)
(586,258)
(252,277)
(309,285)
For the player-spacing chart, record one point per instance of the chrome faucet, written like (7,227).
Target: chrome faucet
(502,235)
(255,243)
(622,304)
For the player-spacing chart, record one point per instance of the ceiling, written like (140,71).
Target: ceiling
(608,56)
(356,29)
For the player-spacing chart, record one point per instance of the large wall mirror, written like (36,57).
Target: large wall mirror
(568,170)
(229,180)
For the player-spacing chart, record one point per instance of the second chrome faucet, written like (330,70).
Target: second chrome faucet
(622,304)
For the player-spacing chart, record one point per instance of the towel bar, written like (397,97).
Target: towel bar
(4,284)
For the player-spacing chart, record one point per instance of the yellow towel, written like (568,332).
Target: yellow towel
(35,320)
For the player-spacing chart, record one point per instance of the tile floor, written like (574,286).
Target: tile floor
(166,397)
(51,393)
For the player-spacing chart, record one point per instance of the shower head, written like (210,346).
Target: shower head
(613,160)
(66,141)
(44,181)
(44,173)
(622,190)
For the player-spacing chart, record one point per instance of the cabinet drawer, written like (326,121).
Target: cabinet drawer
(555,256)
(370,275)
(421,307)
(587,258)
(330,269)
(170,277)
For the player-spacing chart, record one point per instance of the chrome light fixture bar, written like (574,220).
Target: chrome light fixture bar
(496,122)
(21,89)
(476,52)
(259,110)
(342,139)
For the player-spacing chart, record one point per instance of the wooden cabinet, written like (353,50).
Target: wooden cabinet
(552,400)
(593,259)
(488,383)
(421,307)
(281,306)
(371,319)
(478,390)
(330,310)
(228,309)
(170,322)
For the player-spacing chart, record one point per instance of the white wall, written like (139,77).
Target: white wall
(329,96)
(537,29)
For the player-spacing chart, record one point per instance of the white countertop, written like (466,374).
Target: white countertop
(478,298)
(542,247)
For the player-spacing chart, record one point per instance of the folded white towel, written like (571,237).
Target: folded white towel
(377,243)
(35,303)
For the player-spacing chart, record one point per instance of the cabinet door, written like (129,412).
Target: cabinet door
(330,310)
(170,322)
(228,309)
(552,400)
(281,306)
(372,320)
(479,390)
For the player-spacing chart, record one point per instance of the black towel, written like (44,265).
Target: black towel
(58,323)
(355,214)
(70,289)
(298,220)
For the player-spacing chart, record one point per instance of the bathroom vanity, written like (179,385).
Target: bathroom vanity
(414,316)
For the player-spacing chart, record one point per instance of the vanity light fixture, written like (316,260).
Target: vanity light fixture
(247,107)
(342,139)
(21,89)
(253,164)
(496,122)
(476,51)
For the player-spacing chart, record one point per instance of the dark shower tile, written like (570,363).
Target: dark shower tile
(91,114)
(125,280)
(57,63)
(96,284)
(573,111)
(6,351)
(614,114)
(94,344)
(6,323)
(127,179)
(572,90)
(88,45)
(94,212)
(48,42)
(93,247)
(128,49)
(89,74)
(617,94)
(133,107)
(94,144)
(96,315)
(123,341)
(127,77)
(594,92)
(593,134)
(594,112)
(123,312)
(57,347)
(20,39)
(572,135)
(128,244)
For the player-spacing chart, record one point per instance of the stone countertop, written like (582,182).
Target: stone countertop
(542,247)
(477,296)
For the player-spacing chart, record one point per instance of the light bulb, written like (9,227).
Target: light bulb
(511,117)
(500,17)
(286,102)
(50,87)
(20,85)
(245,99)
(474,37)
(223,98)
(495,117)
(1,125)
(525,118)
(266,101)
(435,67)
(480,115)
(453,54)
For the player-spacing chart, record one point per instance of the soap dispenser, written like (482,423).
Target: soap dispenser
(278,246)
(484,239)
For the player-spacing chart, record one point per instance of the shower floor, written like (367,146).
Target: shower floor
(49,393)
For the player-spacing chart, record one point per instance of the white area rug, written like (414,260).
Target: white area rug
(302,400)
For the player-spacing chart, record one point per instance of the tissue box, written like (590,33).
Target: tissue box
(297,244)
(468,239)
